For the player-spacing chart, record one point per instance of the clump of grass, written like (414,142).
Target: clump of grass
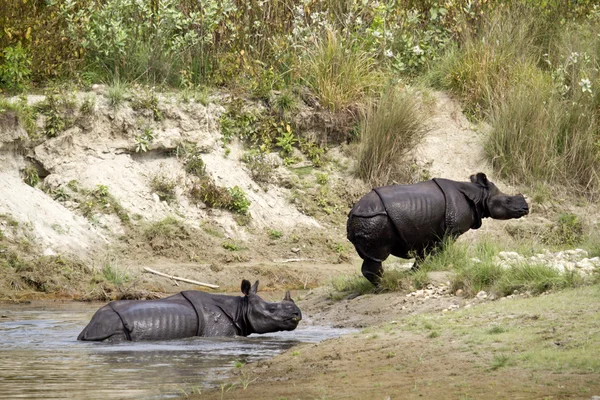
(116,93)
(24,114)
(261,166)
(350,284)
(148,100)
(114,274)
(208,192)
(496,330)
(339,72)
(535,279)
(99,200)
(88,106)
(164,187)
(59,110)
(166,232)
(392,127)
(31,176)
(194,165)
(567,231)
(274,234)
(499,361)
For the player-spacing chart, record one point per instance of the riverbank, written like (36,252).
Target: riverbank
(527,348)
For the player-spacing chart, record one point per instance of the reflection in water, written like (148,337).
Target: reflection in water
(41,358)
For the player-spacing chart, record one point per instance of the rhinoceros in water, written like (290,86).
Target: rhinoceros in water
(192,313)
(410,220)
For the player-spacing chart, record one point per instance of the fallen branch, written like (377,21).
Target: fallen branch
(176,278)
(288,260)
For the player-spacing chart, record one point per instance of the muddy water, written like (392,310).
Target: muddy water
(41,358)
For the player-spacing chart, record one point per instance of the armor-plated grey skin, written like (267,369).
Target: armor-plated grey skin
(192,313)
(411,220)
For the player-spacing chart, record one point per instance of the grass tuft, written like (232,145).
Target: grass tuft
(339,72)
(392,128)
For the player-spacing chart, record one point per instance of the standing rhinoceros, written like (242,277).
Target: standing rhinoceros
(192,313)
(409,220)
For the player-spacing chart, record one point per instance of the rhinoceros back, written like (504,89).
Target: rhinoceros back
(169,318)
(417,211)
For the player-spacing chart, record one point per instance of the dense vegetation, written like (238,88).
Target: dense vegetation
(529,67)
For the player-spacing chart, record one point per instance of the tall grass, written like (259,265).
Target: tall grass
(537,86)
(392,128)
(339,72)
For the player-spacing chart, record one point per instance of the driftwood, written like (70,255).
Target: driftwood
(176,278)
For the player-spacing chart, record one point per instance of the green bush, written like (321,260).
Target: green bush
(16,68)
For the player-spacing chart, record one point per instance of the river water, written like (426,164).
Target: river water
(41,358)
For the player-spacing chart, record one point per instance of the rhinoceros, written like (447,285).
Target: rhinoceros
(411,220)
(192,313)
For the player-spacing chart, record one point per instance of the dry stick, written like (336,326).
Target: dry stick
(181,279)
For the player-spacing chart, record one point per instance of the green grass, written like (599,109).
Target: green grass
(114,274)
(392,127)
(557,332)
(164,187)
(169,229)
(339,72)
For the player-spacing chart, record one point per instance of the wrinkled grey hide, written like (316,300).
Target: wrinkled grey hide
(410,220)
(192,313)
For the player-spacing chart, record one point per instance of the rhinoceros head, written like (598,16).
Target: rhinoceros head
(498,204)
(265,317)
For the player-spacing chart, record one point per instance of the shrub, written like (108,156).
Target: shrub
(195,166)
(239,202)
(16,69)
(391,128)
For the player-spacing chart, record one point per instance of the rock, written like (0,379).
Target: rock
(509,256)
(459,292)
(482,295)
(155,198)
(295,249)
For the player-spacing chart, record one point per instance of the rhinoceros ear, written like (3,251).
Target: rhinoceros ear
(481,179)
(254,288)
(287,296)
(245,287)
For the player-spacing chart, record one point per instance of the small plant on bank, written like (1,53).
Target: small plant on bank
(164,187)
(59,110)
(208,192)
(239,202)
(30,176)
(194,165)
(114,274)
(567,231)
(143,141)
(100,200)
(274,234)
(261,166)
(231,246)
(322,178)
(148,100)
(116,94)
(88,106)
(286,140)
